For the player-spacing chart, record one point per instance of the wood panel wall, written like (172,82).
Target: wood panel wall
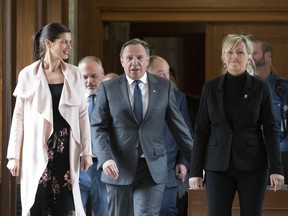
(267,19)
(7,182)
(254,17)
(275,203)
(1,59)
(275,33)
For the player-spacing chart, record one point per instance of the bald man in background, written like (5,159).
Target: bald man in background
(177,164)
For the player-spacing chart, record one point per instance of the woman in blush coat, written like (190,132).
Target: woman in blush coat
(50,128)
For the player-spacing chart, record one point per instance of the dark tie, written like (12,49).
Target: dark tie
(91,104)
(138,108)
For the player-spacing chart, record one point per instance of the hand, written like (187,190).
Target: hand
(181,171)
(110,169)
(14,166)
(86,162)
(277,181)
(196,183)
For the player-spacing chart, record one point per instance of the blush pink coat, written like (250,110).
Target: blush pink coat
(32,125)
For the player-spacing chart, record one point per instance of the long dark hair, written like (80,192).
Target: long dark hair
(51,32)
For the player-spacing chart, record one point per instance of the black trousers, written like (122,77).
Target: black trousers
(222,186)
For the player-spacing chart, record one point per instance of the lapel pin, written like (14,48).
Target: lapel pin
(245,96)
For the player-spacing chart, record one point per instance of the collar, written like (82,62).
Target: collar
(87,95)
(143,79)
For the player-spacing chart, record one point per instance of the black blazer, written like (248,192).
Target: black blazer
(252,142)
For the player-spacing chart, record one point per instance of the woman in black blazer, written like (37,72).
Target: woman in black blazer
(236,141)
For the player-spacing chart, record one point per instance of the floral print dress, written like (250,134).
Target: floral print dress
(54,194)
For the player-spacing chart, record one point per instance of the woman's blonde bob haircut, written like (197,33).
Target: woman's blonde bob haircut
(230,41)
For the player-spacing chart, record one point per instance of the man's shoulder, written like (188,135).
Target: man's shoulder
(277,77)
(156,78)
(179,94)
(280,81)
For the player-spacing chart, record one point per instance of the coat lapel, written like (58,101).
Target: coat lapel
(42,100)
(220,99)
(34,87)
(153,92)
(37,90)
(71,95)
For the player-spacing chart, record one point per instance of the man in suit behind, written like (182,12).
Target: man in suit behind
(91,186)
(177,165)
(134,161)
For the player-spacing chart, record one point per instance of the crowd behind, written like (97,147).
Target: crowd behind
(124,144)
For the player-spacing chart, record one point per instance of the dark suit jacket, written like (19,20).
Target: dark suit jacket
(252,142)
(174,156)
(113,118)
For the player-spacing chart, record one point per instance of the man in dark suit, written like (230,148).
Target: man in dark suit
(134,161)
(93,190)
(177,165)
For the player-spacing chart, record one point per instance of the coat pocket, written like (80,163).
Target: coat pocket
(159,150)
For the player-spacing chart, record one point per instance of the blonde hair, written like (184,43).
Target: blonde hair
(230,41)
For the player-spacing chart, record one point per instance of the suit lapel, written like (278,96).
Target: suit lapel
(220,99)
(124,95)
(153,93)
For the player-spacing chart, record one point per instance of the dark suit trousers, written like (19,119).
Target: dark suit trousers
(169,202)
(222,186)
(142,198)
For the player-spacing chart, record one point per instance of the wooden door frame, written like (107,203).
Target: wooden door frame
(8,183)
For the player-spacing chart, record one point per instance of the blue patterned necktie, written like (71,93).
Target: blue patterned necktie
(91,104)
(138,109)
